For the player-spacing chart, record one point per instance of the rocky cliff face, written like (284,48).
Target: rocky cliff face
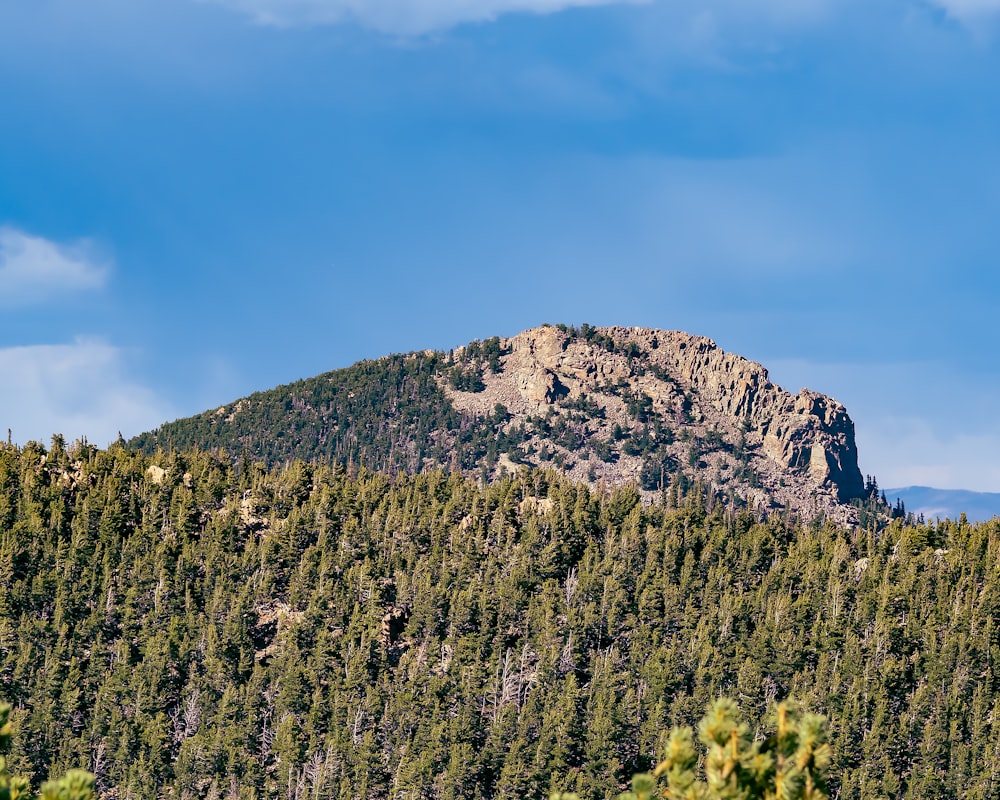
(614,405)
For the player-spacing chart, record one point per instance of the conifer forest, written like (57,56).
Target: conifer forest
(185,625)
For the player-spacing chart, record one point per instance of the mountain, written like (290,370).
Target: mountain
(947,503)
(606,406)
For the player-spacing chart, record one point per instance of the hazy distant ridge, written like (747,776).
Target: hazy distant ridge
(947,503)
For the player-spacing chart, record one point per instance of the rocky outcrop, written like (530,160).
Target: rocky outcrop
(816,434)
(678,399)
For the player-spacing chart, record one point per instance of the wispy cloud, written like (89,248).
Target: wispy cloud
(78,389)
(416,17)
(398,17)
(33,269)
(969,10)
(916,454)
(698,22)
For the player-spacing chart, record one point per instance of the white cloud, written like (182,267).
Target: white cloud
(399,17)
(79,389)
(33,269)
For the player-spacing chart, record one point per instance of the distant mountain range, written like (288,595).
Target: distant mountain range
(604,406)
(946,503)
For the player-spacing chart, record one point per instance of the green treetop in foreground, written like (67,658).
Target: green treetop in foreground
(788,765)
(74,785)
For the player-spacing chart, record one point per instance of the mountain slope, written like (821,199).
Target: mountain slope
(605,405)
(189,630)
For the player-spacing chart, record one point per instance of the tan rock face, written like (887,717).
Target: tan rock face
(540,385)
(801,448)
(815,432)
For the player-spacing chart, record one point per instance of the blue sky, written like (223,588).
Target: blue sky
(201,198)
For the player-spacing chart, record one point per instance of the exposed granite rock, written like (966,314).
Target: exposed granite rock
(715,414)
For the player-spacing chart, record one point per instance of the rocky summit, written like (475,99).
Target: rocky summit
(606,406)
(636,404)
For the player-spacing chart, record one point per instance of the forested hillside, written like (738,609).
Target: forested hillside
(390,415)
(186,627)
